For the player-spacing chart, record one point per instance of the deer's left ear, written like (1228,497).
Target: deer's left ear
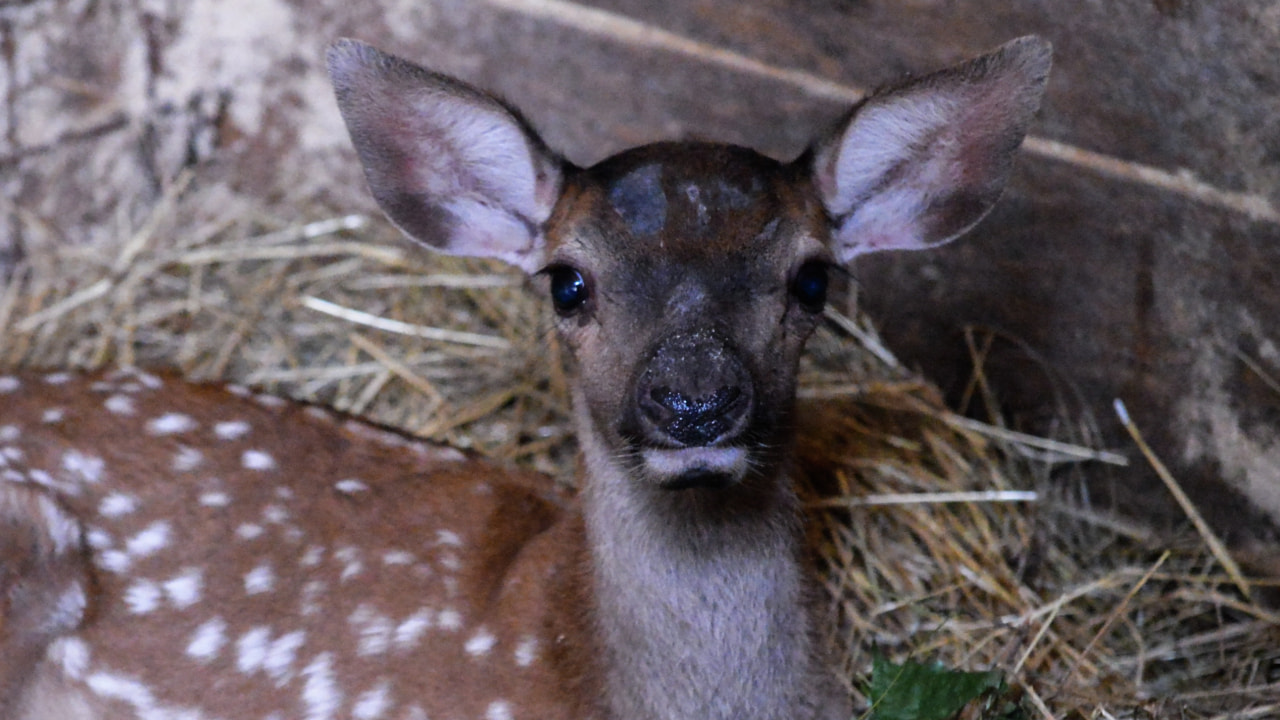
(919,164)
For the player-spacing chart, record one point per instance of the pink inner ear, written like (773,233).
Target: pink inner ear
(886,221)
(921,164)
(490,234)
(451,166)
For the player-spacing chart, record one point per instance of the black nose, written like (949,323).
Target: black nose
(694,391)
(697,421)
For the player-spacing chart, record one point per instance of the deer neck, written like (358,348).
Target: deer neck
(700,598)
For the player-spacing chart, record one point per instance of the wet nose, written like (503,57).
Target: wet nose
(694,391)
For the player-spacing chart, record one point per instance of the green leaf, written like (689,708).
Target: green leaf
(915,691)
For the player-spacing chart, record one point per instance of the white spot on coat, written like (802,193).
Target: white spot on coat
(398,557)
(259,580)
(257,460)
(275,514)
(311,556)
(411,629)
(215,498)
(171,424)
(374,630)
(526,651)
(86,468)
(117,504)
(150,541)
(374,703)
(71,654)
(450,561)
(117,687)
(311,593)
(208,639)
(59,526)
(351,557)
(498,710)
(249,531)
(116,561)
(281,655)
(142,597)
(68,610)
(449,619)
(481,643)
(320,693)
(120,405)
(185,589)
(251,650)
(43,478)
(270,401)
(256,652)
(99,539)
(449,538)
(350,486)
(187,459)
(231,429)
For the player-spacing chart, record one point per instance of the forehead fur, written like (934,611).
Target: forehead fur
(687,199)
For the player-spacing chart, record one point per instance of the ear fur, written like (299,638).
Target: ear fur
(454,168)
(918,164)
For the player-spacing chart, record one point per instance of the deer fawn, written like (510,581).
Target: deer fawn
(177,551)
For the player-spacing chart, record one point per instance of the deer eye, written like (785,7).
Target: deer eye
(810,285)
(568,289)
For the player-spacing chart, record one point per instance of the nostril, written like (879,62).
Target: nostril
(722,398)
(681,404)
(668,399)
(694,421)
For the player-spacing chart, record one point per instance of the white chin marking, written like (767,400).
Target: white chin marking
(729,461)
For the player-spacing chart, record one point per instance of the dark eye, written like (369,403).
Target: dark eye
(568,289)
(810,285)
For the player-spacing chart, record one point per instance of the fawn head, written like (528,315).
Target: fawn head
(686,276)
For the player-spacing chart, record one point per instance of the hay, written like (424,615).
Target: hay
(940,538)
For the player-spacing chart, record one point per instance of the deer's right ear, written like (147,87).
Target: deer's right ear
(452,167)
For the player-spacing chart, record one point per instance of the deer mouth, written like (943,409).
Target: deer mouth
(696,467)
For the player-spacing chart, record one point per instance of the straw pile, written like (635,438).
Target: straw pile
(941,539)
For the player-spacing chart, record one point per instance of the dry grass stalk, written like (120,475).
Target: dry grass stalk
(1219,550)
